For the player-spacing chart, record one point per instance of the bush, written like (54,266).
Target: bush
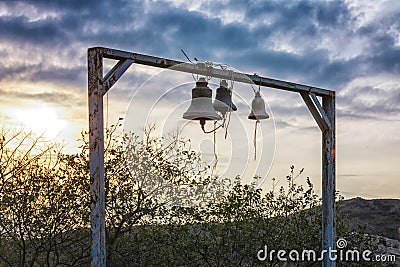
(163,207)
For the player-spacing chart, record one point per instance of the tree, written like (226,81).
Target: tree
(45,194)
(144,178)
(41,196)
(232,230)
(164,207)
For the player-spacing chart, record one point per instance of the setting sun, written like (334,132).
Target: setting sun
(42,120)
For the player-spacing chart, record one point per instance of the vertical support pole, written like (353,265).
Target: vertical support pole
(96,157)
(328,183)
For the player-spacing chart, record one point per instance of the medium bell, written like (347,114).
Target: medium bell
(258,108)
(223,99)
(201,106)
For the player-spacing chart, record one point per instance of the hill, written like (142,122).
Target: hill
(381,216)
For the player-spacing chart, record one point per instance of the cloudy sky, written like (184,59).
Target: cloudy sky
(352,47)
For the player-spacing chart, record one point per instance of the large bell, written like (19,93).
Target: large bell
(223,99)
(258,108)
(201,106)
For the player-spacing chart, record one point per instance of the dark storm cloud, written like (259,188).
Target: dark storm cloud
(59,98)
(244,46)
(20,29)
(75,21)
(44,72)
(162,29)
(383,54)
(303,16)
(306,22)
(14,72)
(95,7)
(281,124)
(369,102)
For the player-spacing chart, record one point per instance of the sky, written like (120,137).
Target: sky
(351,47)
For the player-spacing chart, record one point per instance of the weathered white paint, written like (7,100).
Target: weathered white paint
(96,157)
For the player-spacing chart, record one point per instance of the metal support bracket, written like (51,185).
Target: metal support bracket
(321,110)
(316,110)
(115,73)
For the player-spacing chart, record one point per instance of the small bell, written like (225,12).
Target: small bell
(258,108)
(223,99)
(201,106)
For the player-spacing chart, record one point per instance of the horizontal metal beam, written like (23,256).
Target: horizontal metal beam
(203,69)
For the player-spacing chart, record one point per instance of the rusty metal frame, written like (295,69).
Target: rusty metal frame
(98,85)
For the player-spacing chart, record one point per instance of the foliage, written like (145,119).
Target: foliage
(144,177)
(230,231)
(41,198)
(163,207)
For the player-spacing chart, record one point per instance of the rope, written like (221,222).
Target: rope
(227,124)
(255,140)
(107,111)
(186,56)
(252,87)
(190,62)
(215,146)
(204,131)
(232,81)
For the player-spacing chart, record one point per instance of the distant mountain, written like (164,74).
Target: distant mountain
(381,216)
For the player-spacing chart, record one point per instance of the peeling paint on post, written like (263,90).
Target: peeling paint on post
(325,117)
(328,181)
(96,156)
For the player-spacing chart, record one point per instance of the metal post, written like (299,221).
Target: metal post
(328,182)
(96,157)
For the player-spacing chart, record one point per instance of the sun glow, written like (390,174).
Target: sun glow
(42,120)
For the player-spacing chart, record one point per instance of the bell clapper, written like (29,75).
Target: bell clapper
(202,123)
